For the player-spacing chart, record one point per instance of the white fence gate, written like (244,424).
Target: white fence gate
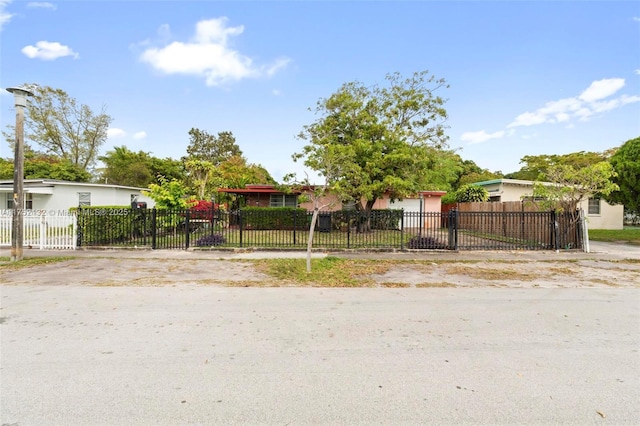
(43,229)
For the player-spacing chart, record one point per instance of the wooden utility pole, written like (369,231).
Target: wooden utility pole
(20,96)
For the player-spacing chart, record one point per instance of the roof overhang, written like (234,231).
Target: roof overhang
(48,190)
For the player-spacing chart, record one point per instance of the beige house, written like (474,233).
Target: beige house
(599,213)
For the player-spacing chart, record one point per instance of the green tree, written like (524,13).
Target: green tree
(169,194)
(61,126)
(41,166)
(471,193)
(566,186)
(202,175)
(626,163)
(235,172)
(140,169)
(206,147)
(470,172)
(536,166)
(380,139)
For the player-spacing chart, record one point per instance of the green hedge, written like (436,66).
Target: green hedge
(275,218)
(108,224)
(382,219)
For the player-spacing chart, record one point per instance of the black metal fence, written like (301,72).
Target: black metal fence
(380,229)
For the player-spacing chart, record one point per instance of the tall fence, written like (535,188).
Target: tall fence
(43,229)
(382,229)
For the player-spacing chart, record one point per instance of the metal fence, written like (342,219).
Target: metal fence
(43,229)
(379,229)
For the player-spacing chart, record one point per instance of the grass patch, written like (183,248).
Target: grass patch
(394,285)
(326,272)
(7,265)
(442,284)
(629,235)
(490,273)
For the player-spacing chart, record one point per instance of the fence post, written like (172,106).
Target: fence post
(453,228)
(348,229)
(294,225)
(43,230)
(584,233)
(153,229)
(402,231)
(554,230)
(240,225)
(80,224)
(187,216)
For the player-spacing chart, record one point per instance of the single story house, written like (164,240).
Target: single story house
(270,196)
(599,213)
(57,195)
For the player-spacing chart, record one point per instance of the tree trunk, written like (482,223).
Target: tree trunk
(314,219)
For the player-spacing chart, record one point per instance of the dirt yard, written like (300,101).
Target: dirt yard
(504,272)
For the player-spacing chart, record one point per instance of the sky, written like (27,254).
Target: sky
(525,77)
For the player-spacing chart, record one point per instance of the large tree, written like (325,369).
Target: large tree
(130,168)
(63,127)
(381,139)
(566,186)
(535,167)
(206,147)
(42,166)
(626,163)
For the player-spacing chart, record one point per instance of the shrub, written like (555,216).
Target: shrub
(108,224)
(211,240)
(275,218)
(471,193)
(419,242)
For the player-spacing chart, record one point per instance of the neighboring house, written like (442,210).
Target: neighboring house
(53,195)
(599,213)
(269,196)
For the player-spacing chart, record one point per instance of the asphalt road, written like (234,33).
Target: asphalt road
(78,355)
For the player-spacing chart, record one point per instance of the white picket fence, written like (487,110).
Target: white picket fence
(52,230)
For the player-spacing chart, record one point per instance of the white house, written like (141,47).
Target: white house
(53,195)
(599,213)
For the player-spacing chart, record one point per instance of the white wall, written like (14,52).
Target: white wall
(65,197)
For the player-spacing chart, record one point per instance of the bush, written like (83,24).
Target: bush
(419,242)
(211,240)
(261,218)
(108,224)
(471,193)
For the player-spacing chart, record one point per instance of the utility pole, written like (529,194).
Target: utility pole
(20,97)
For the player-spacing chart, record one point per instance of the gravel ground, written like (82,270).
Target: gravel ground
(609,265)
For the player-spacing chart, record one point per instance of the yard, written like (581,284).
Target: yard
(629,235)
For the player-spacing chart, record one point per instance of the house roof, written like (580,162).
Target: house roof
(50,183)
(517,182)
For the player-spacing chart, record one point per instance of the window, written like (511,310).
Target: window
(84,199)
(594,206)
(283,200)
(28,201)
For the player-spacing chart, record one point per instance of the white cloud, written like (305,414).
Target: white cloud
(637,71)
(276,92)
(115,133)
(48,51)
(5,16)
(602,89)
(208,55)
(140,135)
(591,101)
(637,19)
(42,5)
(481,136)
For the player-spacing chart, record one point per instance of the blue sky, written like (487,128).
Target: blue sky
(526,78)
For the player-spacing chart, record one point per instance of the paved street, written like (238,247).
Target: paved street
(184,354)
